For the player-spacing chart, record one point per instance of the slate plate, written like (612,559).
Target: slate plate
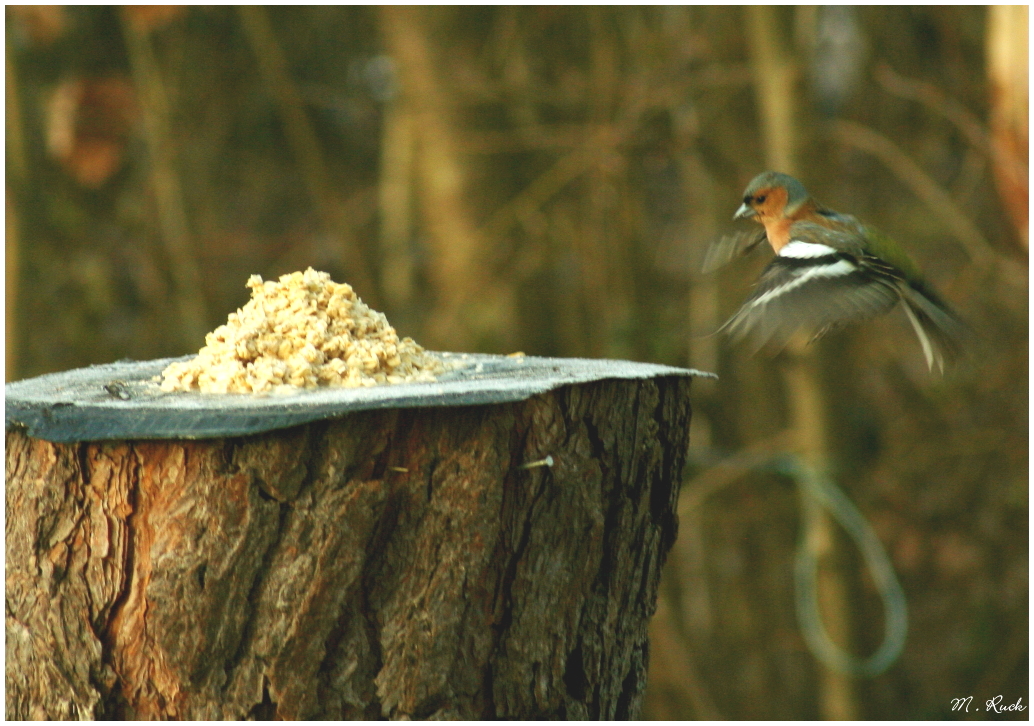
(121,401)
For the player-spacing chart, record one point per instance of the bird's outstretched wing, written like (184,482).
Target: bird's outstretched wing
(723,251)
(821,279)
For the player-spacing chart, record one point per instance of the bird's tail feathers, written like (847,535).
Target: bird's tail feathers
(939,330)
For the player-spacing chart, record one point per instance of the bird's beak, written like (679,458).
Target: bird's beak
(744,212)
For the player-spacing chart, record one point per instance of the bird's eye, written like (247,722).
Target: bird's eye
(759,199)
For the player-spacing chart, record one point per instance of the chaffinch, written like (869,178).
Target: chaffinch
(829,269)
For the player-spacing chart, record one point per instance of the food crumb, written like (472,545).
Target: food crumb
(302,331)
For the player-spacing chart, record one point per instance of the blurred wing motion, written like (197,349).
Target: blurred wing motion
(725,250)
(822,279)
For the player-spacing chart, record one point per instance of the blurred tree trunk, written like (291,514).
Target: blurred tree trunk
(11,283)
(775,87)
(455,266)
(598,245)
(174,227)
(304,143)
(422,563)
(17,168)
(703,293)
(395,202)
(1007,70)
(775,83)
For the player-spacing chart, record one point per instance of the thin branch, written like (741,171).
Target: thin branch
(718,476)
(967,122)
(300,134)
(939,201)
(529,199)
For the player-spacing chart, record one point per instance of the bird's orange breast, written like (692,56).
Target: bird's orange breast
(778,232)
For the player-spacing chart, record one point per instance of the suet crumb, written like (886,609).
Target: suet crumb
(302,331)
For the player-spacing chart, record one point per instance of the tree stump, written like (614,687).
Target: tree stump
(488,546)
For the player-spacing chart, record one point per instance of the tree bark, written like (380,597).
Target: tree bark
(395,563)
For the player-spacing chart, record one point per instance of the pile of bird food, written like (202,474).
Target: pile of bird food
(302,331)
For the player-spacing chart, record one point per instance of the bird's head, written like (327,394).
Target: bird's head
(771,196)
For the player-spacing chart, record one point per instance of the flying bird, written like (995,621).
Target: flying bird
(829,270)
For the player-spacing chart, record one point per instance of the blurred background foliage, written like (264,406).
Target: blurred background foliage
(547,180)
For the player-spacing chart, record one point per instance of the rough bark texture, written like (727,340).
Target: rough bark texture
(390,563)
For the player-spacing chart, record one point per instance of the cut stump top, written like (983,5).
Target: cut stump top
(123,400)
